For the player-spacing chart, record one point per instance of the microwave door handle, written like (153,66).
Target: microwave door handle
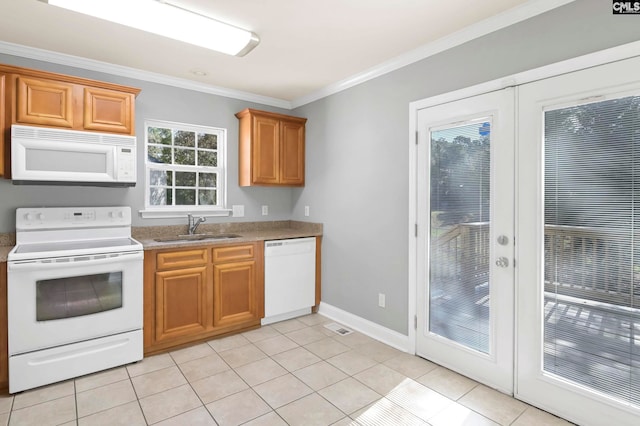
(81,260)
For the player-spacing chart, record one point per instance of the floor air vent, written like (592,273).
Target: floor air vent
(339,329)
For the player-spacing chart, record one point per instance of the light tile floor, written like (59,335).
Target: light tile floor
(295,372)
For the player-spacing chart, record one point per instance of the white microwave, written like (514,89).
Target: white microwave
(42,155)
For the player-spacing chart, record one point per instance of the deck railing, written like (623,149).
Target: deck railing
(595,264)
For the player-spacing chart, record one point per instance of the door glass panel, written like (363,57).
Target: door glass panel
(459,239)
(77,296)
(592,263)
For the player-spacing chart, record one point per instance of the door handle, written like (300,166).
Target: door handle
(502,262)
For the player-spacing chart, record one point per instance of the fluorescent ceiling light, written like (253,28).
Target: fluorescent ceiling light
(160,17)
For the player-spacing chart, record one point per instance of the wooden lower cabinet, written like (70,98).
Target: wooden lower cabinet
(181,300)
(194,294)
(234,295)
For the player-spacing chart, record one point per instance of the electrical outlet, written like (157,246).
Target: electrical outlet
(306,210)
(381,300)
(265,210)
(238,210)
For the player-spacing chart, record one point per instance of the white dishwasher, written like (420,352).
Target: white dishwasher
(289,278)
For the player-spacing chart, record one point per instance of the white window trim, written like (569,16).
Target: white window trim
(162,212)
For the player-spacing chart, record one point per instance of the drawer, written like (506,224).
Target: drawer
(233,253)
(182,258)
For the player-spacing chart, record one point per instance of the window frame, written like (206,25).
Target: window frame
(168,211)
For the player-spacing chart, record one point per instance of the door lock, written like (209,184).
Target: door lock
(503,240)
(502,262)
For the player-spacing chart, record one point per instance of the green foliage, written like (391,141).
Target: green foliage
(460,178)
(182,148)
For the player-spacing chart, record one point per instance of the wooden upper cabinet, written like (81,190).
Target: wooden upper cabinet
(44,102)
(4,134)
(265,150)
(271,151)
(292,156)
(40,98)
(108,110)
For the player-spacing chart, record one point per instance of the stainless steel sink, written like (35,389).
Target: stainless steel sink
(198,237)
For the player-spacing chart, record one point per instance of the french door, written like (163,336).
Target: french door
(466,234)
(578,251)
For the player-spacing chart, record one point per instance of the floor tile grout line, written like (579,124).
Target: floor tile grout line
(351,347)
(13,400)
(192,389)
(75,399)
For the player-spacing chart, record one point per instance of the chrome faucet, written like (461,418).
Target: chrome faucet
(194,222)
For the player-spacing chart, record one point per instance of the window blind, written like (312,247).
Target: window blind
(459,240)
(591,253)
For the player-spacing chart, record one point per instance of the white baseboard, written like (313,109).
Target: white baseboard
(369,328)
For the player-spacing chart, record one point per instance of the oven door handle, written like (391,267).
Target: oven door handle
(59,263)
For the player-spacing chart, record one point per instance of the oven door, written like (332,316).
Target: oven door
(58,301)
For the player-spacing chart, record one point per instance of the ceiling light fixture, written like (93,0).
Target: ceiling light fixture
(168,20)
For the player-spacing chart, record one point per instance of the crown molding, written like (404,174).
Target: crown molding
(494,23)
(487,26)
(99,66)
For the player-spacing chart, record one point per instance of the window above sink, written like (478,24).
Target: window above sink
(185,170)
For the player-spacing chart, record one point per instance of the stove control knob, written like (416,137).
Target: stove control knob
(112,215)
(121,215)
(40,216)
(28,217)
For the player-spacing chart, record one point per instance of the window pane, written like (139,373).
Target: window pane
(161,197)
(207,197)
(161,178)
(185,157)
(181,162)
(159,154)
(185,197)
(159,135)
(185,179)
(207,158)
(459,244)
(592,261)
(208,180)
(208,141)
(183,138)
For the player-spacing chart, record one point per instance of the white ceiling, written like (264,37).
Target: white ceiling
(306,45)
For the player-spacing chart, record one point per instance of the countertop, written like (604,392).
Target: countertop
(7,241)
(248,231)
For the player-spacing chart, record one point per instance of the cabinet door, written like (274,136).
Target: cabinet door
(44,102)
(4,137)
(181,305)
(265,150)
(108,111)
(291,153)
(235,298)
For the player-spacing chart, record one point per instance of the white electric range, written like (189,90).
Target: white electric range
(74,294)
